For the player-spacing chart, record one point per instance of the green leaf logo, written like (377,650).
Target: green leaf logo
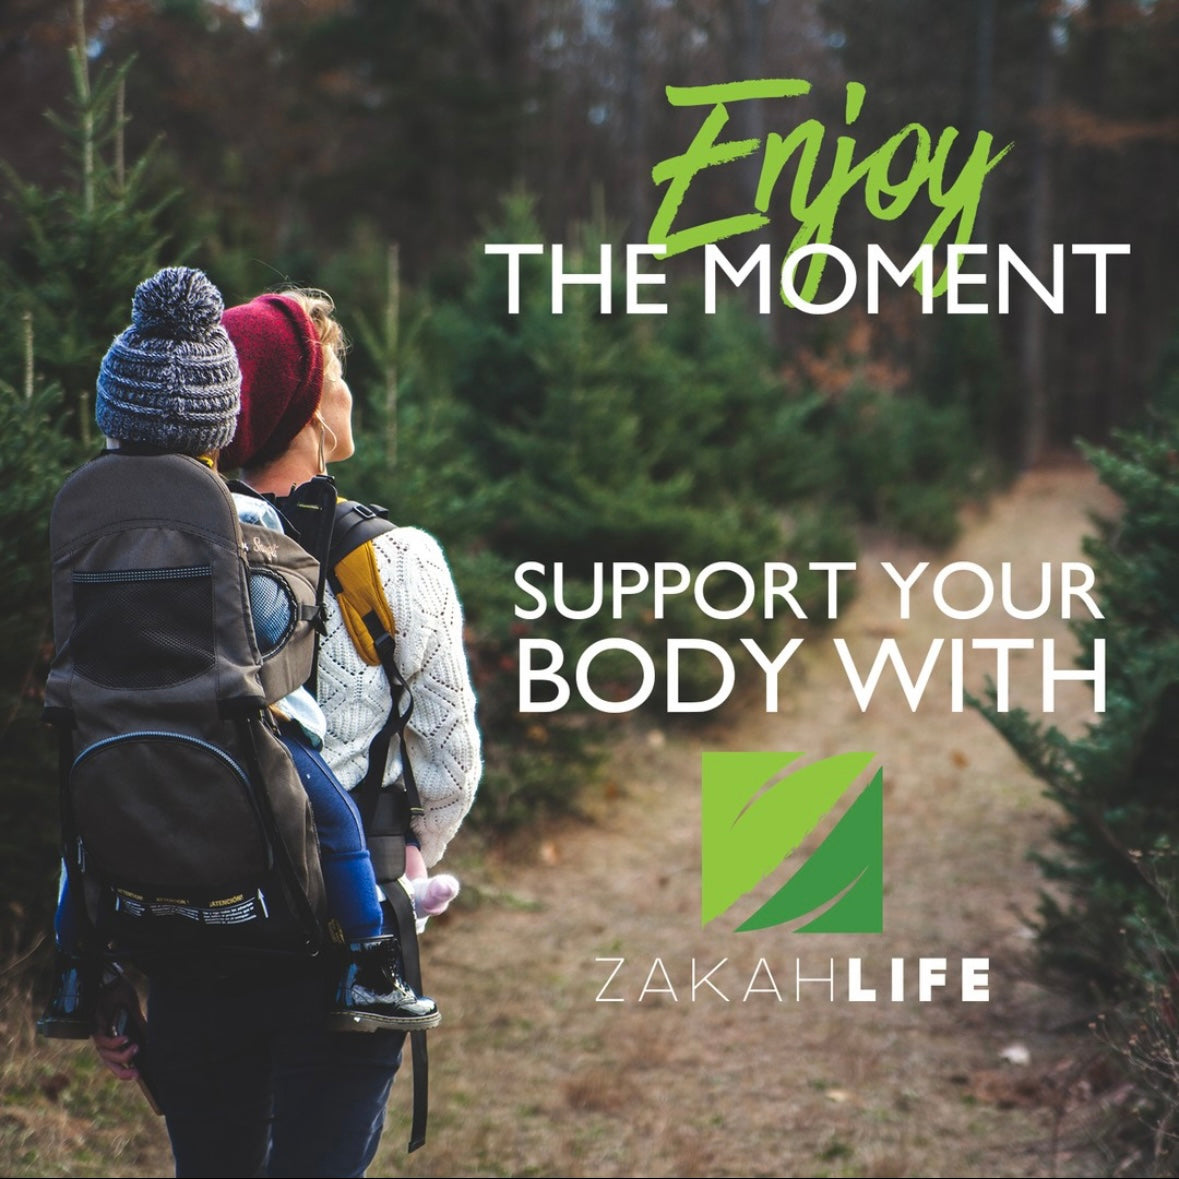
(754,815)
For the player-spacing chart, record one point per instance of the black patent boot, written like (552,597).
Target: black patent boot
(373,994)
(70,1012)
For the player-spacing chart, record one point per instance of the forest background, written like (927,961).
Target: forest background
(372,148)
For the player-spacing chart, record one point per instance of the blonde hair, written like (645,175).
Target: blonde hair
(321,310)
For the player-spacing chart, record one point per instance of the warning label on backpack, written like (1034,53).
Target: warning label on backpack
(231,910)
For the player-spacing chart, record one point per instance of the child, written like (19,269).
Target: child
(171,382)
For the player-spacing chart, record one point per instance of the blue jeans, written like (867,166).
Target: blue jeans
(348,878)
(252,1084)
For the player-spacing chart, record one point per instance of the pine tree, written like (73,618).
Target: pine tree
(82,248)
(66,286)
(1110,917)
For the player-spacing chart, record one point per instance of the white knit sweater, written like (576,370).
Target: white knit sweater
(442,737)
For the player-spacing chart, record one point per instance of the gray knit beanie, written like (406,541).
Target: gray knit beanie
(171,379)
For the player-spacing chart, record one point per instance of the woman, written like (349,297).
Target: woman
(250,1078)
(289,346)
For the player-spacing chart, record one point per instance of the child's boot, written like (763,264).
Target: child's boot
(373,994)
(69,1015)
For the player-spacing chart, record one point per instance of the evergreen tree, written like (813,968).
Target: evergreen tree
(67,286)
(83,247)
(1113,869)
(1109,921)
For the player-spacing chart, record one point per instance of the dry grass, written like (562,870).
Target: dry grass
(61,1114)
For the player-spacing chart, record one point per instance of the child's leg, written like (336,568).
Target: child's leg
(352,895)
(372,992)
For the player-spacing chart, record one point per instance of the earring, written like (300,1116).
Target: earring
(324,428)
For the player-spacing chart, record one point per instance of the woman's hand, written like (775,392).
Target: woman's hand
(118,1054)
(120,1027)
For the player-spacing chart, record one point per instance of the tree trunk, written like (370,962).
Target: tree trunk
(1033,375)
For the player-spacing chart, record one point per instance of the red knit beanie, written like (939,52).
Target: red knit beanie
(281,358)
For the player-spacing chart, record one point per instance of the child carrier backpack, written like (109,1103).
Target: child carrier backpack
(187,834)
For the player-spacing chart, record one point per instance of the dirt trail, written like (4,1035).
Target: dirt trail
(531,1076)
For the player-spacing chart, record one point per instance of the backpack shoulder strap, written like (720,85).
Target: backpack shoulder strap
(356,581)
(354,577)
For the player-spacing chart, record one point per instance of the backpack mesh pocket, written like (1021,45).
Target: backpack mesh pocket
(143,628)
(274,610)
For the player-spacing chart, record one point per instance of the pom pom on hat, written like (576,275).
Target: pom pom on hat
(281,359)
(178,304)
(171,379)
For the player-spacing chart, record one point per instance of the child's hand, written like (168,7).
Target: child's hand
(432,896)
